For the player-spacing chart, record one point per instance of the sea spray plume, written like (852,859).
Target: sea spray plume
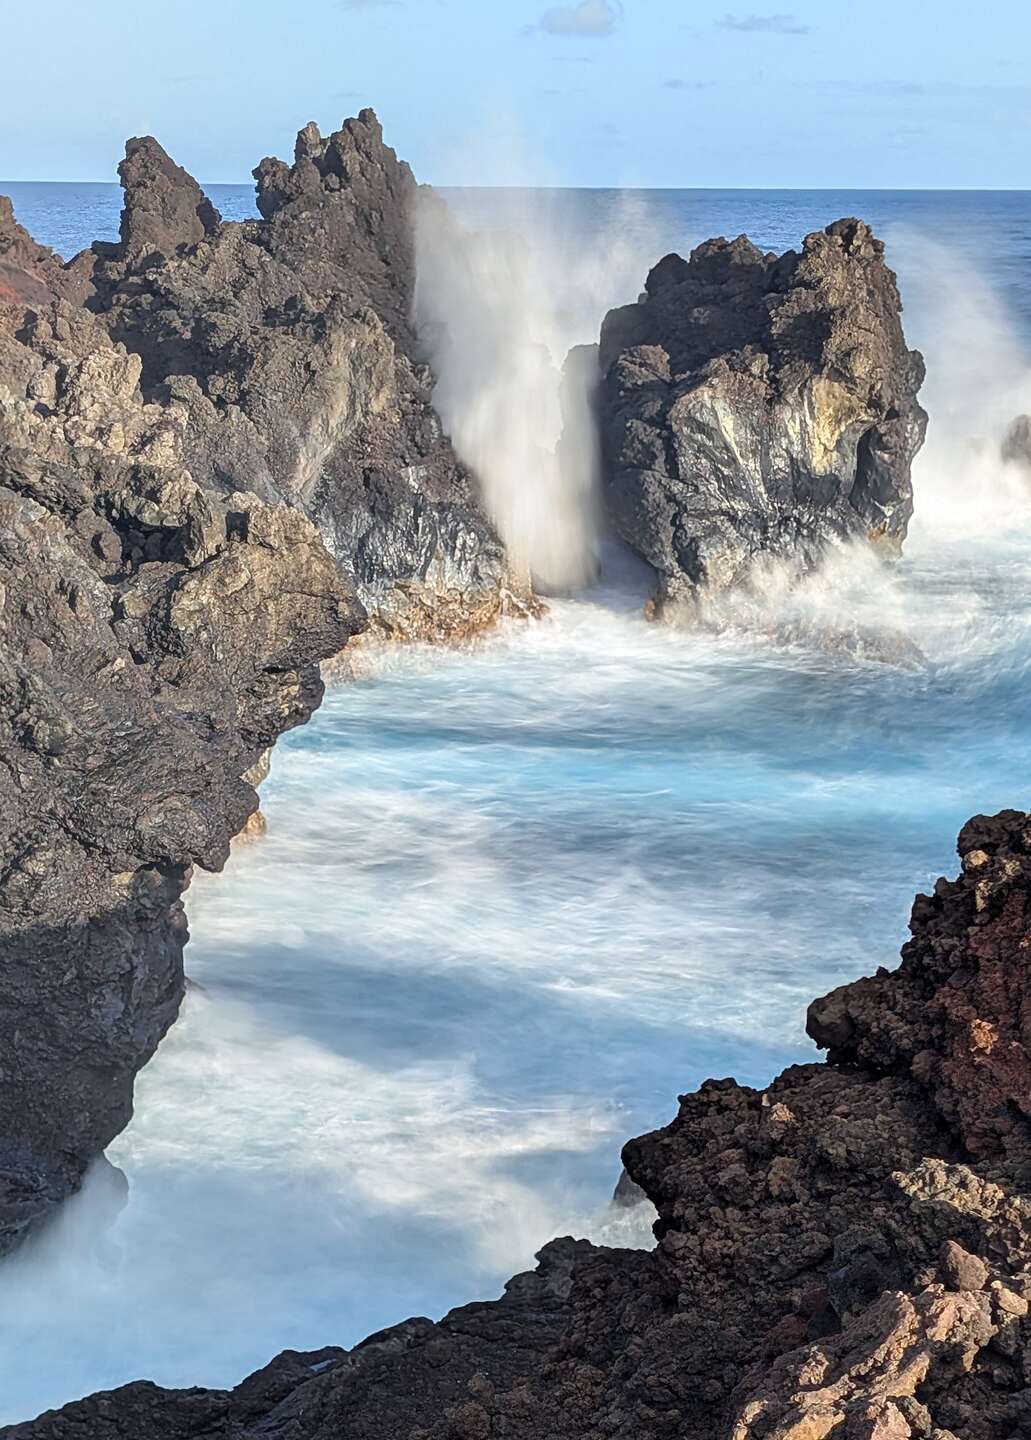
(491,336)
(978,381)
(498,311)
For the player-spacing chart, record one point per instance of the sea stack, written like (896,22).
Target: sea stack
(758,409)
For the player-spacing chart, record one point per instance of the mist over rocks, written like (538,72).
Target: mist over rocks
(758,409)
(845,1253)
(1016,443)
(288,343)
(156,637)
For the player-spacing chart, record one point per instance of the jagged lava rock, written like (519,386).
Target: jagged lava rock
(23,264)
(757,408)
(165,209)
(155,638)
(957,1013)
(843,1256)
(288,343)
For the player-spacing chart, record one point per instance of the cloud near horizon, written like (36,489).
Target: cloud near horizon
(590,19)
(778,24)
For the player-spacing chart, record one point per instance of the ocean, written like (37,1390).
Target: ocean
(513,899)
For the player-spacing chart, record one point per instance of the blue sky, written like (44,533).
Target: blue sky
(892,93)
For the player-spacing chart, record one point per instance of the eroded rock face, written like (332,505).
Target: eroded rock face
(287,342)
(846,1254)
(162,611)
(758,409)
(155,638)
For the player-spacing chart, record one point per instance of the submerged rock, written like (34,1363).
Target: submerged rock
(847,1252)
(756,407)
(155,638)
(1016,444)
(287,343)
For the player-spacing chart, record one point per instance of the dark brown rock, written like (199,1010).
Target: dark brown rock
(26,269)
(287,343)
(957,1014)
(165,209)
(1016,444)
(155,639)
(959,1269)
(757,408)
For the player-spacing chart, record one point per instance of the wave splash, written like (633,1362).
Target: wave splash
(509,317)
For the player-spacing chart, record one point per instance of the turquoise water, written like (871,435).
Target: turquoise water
(514,899)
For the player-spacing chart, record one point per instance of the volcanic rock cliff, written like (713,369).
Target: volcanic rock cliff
(156,636)
(843,1256)
(757,409)
(288,343)
(162,611)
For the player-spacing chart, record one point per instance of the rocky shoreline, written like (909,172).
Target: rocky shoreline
(844,1254)
(219,465)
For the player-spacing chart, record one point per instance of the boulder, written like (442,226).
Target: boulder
(1016,444)
(165,209)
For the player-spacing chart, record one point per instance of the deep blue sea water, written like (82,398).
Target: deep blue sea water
(514,899)
(992,228)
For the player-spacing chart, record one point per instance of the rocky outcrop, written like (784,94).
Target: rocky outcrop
(181,414)
(156,636)
(757,409)
(29,273)
(165,211)
(843,1256)
(287,342)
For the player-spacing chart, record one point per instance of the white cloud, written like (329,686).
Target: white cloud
(779,24)
(593,19)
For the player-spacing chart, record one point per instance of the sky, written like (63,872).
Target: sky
(805,93)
